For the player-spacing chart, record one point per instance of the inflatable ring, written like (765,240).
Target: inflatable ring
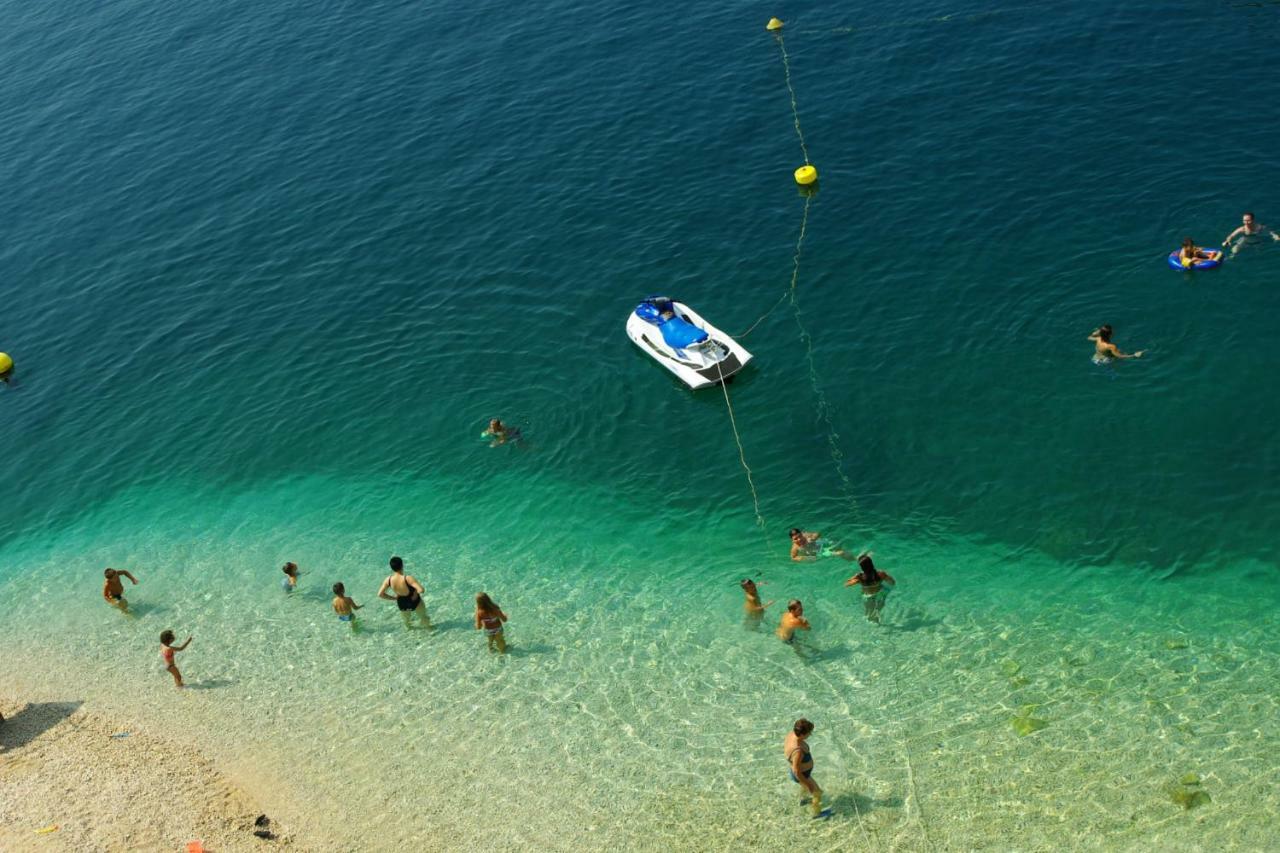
(1176,264)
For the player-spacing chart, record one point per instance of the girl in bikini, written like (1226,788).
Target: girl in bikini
(167,651)
(872,581)
(489,618)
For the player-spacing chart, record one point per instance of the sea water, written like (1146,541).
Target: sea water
(269,271)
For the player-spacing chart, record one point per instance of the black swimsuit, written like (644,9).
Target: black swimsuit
(410,601)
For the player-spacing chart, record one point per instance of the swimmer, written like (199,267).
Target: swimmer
(793,620)
(1103,350)
(500,433)
(344,605)
(290,580)
(1249,228)
(754,609)
(1190,253)
(872,581)
(407,593)
(167,650)
(800,765)
(113,589)
(489,618)
(809,545)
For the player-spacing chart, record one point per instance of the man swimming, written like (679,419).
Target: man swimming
(1103,350)
(500,433)
(113,589)
(809,545)
(1248,228)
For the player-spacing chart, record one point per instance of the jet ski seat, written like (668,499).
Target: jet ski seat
(680,333)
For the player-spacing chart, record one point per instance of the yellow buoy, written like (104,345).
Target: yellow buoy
(806,175)
(774,25)
(6,363)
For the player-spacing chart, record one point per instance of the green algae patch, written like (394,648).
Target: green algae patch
(1175,643)
(1190,779)
(1025,725)
(1188,797)
(1010,667)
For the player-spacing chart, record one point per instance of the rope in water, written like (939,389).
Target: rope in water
(742,455)
(795,111)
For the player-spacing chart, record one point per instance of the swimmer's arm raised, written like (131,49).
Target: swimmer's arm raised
(853,581)
(123,573)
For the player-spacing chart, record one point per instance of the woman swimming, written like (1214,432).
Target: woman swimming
(872,581)
(1103,350)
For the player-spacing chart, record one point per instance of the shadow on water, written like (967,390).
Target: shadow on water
(137,611)
(860,804)
(910,621)
(522,650)
(811,654)
(453,625)
(210,684)
(32,721)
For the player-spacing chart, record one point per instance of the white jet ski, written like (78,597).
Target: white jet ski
(684,343)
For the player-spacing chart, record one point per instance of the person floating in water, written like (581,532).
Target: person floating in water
(290,580)
(113,588)
(344,605)
(800,765)
(167,651)
(489,618)
(1190,253)
(872,581)
(793,620)
(752,606)
(407,593)
(809,545)
(1104,350)
(1248,228)
(500,433)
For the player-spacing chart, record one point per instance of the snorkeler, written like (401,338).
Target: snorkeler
(344,605)
(872,581)
(793,620)
(800,765)
(290,580)
(809,545)
(1103,350)
(489,618)
(167,650)
(1249,228)
(407,593)
(1190,253)
(113,588)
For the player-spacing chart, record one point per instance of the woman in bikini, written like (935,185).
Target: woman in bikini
(872,581)
(489,618)
(800,764)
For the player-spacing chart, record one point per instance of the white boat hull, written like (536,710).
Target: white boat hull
(698,366)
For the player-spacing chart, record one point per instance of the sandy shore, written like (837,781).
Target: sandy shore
(64,764)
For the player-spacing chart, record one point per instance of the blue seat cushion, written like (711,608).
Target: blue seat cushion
(680,333)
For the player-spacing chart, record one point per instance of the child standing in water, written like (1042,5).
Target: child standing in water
(793,620)
(344,605)
(873,592)
(754,609)
(113,589)
(290,580)
(489,618)
(167,650)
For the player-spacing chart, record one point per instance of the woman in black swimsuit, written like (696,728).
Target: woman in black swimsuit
(407,593)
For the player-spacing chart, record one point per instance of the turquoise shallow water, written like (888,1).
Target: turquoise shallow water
(269,270)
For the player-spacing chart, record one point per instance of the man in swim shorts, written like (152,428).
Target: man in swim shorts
(809,545)
(1248,228)
(407,593)
(113,588)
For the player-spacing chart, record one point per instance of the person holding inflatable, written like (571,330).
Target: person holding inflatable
(1190,253)
(1103,350)
(1249,228)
